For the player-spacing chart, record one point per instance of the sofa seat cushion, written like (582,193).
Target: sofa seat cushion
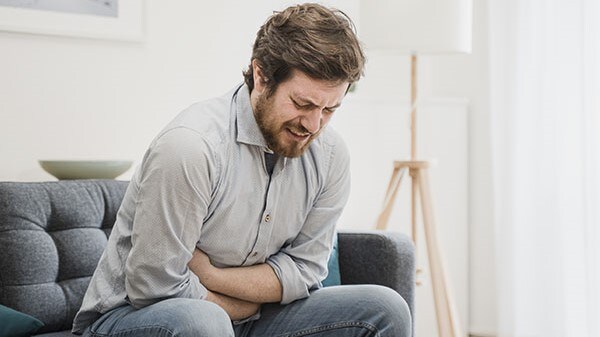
(65,333)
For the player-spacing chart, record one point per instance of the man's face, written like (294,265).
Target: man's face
(296,113)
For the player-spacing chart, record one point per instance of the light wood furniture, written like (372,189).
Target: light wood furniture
(446,313)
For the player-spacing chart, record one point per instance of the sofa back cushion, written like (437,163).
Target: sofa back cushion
(52,235)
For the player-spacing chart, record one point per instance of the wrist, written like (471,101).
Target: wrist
(210,296)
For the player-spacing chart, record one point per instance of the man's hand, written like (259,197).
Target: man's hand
(236,309)
(201,266)
(257,284)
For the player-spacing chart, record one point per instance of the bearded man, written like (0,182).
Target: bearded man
(227,225)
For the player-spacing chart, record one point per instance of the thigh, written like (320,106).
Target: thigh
(173,317)
(357,310)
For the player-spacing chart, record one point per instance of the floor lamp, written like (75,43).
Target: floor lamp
(418,27)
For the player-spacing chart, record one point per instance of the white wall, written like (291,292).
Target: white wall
(77,98)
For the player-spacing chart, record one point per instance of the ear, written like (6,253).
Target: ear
(260,82)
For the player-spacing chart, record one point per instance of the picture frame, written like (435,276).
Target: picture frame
(126,26)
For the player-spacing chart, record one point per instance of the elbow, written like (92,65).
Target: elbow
(144,286)
(139,293)
(291,297)
(144,289)
(295,288)
(296,278)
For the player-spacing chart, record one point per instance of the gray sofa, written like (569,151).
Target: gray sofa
(53,233)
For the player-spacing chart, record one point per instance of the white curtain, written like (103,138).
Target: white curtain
(545,102)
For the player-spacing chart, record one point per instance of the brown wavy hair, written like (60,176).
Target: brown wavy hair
(318,41)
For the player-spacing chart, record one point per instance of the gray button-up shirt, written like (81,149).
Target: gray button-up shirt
(203,183)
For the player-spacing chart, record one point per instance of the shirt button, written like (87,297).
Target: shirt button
(268,218)
(254,254)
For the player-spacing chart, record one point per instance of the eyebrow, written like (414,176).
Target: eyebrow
(308,101)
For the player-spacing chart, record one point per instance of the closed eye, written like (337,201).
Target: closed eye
(310,106)
(302,106)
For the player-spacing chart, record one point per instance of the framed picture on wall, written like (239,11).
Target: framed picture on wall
(98,19)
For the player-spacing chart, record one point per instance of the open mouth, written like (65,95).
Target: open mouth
(299,136)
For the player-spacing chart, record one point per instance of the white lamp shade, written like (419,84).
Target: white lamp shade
(416,26)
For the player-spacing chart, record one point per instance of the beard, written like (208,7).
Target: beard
(274,131)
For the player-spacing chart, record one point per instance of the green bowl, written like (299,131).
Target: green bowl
(85,169)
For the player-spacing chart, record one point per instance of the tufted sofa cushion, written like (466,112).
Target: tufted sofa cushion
(51,237)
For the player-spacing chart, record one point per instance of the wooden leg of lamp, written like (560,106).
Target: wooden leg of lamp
(447,319)
(390,196)
(446,314)
(413,218)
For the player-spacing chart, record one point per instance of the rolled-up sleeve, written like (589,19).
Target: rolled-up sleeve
(174,188)
(302,264)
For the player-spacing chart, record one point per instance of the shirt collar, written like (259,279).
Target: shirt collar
(248,131)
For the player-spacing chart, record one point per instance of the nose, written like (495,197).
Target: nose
(311,121)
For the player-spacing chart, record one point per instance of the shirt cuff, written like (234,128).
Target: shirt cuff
(292,282)
(193,288)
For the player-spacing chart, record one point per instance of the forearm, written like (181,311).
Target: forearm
(236,309)
(256,283)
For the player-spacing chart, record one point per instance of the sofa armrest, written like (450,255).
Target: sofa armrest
(378,257)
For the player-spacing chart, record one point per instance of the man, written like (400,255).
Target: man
(227,225)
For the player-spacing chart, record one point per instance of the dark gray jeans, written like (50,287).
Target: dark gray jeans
(342,311)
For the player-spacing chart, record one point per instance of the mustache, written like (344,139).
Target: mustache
(297,128)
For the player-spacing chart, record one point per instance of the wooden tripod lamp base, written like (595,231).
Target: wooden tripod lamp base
(446,314)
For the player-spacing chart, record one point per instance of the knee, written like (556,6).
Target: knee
(394,317)
(196,318)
